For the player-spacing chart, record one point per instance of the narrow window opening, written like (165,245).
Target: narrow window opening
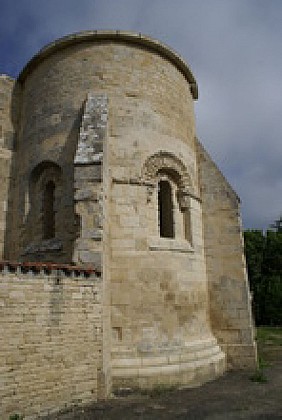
(165,202)
(49,211)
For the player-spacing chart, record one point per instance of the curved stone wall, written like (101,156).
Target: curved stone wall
(138,84)
(156,285)
(7,138)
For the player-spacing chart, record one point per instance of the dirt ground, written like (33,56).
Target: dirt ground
(233,396)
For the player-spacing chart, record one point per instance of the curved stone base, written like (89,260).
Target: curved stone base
(190,366)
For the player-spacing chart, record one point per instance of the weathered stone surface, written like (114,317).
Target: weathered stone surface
(44,246)
(92,131)
(7,134)
(106,158)
(87,173)
(90,257)
(230,301)
(48,324)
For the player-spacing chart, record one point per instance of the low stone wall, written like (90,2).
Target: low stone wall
(51,338)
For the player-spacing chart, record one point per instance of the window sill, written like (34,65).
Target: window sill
(46,245)
(170,244)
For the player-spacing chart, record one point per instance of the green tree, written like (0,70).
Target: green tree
(277,225)
(264,264)
(272,278)
(254,249)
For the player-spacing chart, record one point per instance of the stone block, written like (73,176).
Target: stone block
(91,257)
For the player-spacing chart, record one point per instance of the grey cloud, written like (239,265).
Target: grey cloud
(234,49)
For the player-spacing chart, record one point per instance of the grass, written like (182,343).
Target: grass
(269,336)
(259,374)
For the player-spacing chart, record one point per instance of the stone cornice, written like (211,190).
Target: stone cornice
(118,37)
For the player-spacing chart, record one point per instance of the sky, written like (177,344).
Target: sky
(234,49)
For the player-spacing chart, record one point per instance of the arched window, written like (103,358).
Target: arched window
(165,204)
(174,199)
(49,211)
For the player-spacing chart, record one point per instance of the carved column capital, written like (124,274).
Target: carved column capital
(184,197)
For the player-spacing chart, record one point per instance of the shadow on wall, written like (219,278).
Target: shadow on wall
(41,224)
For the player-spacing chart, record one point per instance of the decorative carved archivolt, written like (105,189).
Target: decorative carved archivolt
(168,163)
(165,163)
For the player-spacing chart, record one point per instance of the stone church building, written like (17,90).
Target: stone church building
(121,243)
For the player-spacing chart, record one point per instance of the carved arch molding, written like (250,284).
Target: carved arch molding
(169,164)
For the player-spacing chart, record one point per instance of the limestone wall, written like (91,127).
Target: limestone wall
(229,296)
(53,100)
(6,146)
(106,118)
(51,340)
(160,325)
(159,320)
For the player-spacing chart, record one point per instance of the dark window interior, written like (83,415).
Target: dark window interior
(49,211)
(165,210)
